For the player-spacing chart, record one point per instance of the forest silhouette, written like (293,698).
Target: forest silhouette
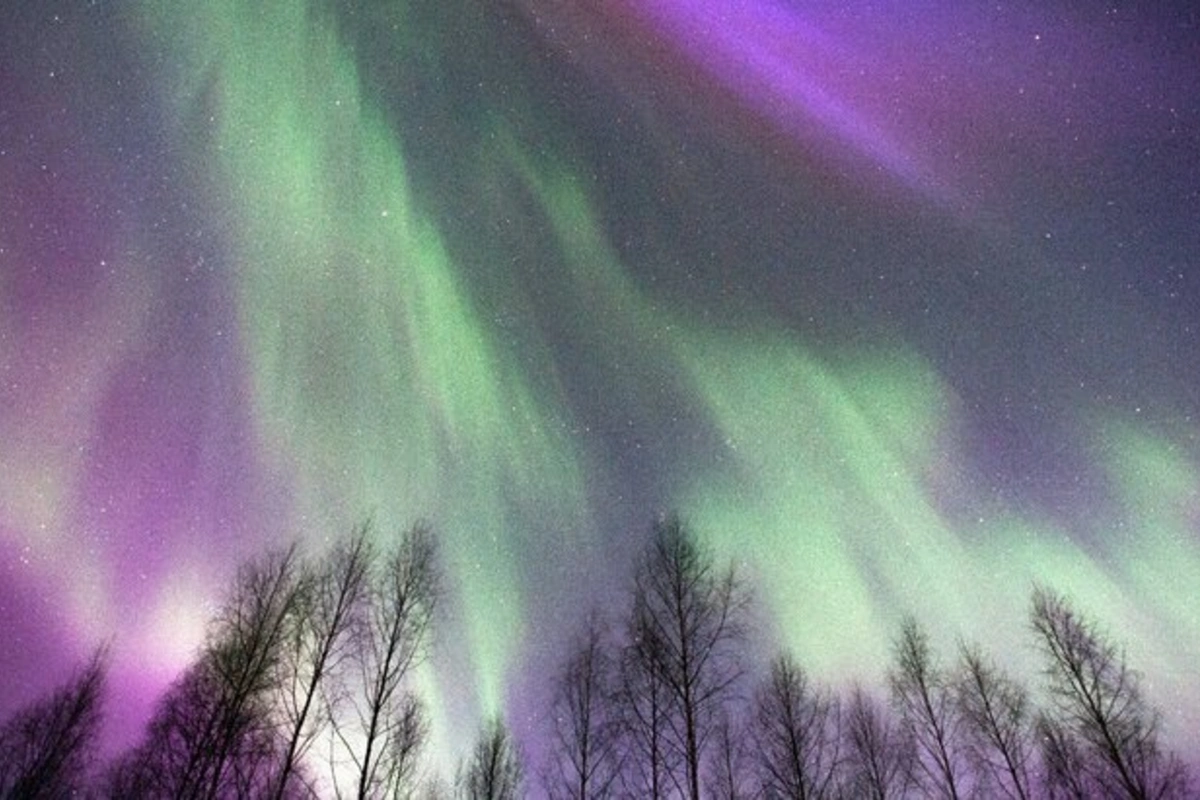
(304,687)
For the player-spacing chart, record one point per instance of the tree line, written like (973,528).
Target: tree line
(304,688)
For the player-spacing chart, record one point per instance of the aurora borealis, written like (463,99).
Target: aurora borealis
(897,303)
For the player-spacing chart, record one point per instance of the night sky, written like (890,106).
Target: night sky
(896,302)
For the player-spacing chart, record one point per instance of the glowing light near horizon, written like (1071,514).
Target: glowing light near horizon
(325,347)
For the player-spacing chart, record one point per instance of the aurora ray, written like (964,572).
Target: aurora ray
(537,271)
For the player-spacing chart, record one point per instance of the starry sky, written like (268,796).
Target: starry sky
(898,303)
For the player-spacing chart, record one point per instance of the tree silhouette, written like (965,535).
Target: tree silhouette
(47,748)
(686,630)
(214,733)
(878,755)
(319,643)
(584,761)
(302,652)
(1065,775)
(730,769)
(198,745)
(645,708)
(1097,703)
(494,770)
(374,718)
(926,705)
(997,725)
(796,734)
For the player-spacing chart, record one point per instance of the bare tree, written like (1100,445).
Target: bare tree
(730,765)
(997,724)
(494,770)
(686,627)
(926,705)
(584,761)
(320,643)
(650,766)
(796,735)
(373,715)
(878,755)
(47,748)
(1096,698)
(1064,772)
(407,736)
(214,733)
(241,660)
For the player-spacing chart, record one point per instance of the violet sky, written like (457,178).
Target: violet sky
(898,303)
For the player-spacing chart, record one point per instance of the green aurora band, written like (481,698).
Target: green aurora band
(382,381)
